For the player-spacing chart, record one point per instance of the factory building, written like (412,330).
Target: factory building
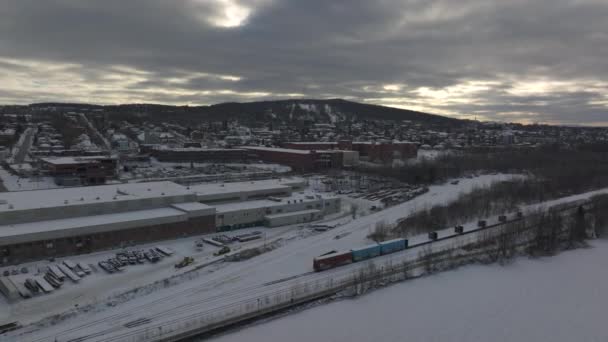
(83,170)
(304,159)
(57,222)
(382,151)
(245,191)
(297,208)
(200,155)
(50,223)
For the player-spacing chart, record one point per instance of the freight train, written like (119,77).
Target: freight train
(335,259)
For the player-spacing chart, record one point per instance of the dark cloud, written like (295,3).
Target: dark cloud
(540,60)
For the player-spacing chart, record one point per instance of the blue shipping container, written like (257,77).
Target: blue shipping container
(392,246)
(366,252)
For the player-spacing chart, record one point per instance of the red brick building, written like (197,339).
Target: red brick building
(303,159)
(382,152)
(85,170)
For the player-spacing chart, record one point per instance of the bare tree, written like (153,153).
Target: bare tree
(354,209)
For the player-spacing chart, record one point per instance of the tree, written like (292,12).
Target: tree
(354,208)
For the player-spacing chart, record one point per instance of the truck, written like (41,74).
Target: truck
(185,262)
(222,251)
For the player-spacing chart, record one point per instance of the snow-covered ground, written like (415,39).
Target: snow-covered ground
(100,286)
(238,281)
(561,298)
(15,183)
(233,283)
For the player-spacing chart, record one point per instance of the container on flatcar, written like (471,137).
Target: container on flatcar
(392,246)
(366,252)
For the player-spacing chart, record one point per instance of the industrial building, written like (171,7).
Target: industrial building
(82,170)
(377,151)
(275,211)
(56,222)
(201,155)
(304,159)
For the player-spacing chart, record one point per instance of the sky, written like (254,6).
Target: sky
(506,60)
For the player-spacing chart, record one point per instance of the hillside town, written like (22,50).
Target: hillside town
(99,207)
(91,147)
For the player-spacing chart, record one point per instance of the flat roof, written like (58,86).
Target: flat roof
(74,160)
(221,188)
(312,142)
(292,213)
(34,199)
(43,230)
(191,206)
(198,149)
(266,203)
(275,149)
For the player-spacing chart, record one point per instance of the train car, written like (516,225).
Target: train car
(332,260)
(392,246)
(366,252)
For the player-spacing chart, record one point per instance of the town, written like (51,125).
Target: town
(99,204)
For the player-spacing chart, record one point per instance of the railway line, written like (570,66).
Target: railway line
(127,325)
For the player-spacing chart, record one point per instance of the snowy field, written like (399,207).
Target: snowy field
(16,183)
(560,298)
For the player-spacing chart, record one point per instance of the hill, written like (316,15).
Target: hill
(288,111)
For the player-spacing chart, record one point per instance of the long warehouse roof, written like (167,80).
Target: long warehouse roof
(22,200)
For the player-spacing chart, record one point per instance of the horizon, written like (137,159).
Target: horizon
(520,62)
(573,125)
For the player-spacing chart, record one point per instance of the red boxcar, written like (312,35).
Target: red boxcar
(332,260)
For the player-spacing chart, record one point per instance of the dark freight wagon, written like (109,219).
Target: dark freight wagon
(332,260)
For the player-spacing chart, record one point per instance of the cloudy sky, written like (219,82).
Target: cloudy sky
(508,60)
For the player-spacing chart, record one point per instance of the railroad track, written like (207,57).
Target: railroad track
(196,308)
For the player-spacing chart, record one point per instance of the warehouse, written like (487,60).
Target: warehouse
(200,155)
(83,170)
(256,213)
(301,216)
(243,191)
(377,151)
(305,160)
(57,222)
(50,223)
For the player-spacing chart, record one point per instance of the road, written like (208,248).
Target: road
(24,149)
